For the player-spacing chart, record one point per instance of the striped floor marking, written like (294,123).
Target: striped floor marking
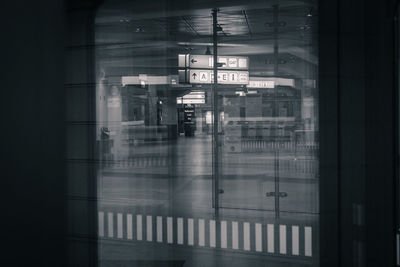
(101,224)
(270,238)
(110,225)
(129,232)
(224,241)
(258,240)
(139,234)
(201,233)
(170,230)
(294,240)
(246,236)
(282,239)
(397,249)
(235,235)
(159,229)
(119,225)
(149,233)
(308,241)
(180,231)
(212,234)
(190,232)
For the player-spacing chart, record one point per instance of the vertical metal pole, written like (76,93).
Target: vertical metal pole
(276,36)
(277,211)
(216,116)
(276,66)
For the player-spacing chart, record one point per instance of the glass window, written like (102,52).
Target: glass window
(201,173)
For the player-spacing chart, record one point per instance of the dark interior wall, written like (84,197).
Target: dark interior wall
(357,134)
(329,127)
(32,135)
(352,135)
(48,219)
(81,156)
(381,139)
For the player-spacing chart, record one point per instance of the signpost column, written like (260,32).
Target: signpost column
(276,66)
(216,115)
(213,70)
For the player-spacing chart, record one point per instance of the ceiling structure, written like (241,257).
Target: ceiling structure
(134,37)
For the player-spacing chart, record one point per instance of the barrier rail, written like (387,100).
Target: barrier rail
(152,161)
(263,145)
(301,168)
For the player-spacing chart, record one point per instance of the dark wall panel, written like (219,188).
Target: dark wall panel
(32,136)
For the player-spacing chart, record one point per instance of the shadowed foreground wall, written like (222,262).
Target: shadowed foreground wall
(32,133)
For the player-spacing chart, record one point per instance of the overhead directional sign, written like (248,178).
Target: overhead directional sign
(224,77)
(144,79)
(207,62)
(192,98)
(261,84)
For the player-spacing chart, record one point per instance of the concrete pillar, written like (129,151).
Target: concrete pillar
(151,106)
(114,118)
(170,116)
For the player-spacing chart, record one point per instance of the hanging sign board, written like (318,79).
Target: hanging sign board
(224,77)
(144,79)
(207,62)
(192,98)
(261,84)
(190,101)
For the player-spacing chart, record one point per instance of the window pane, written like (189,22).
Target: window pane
(200,175)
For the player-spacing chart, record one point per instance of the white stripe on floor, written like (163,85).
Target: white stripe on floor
(212,234)
(180,231)
(246,236)
(110,225)
(295,240)
(307,241)
(139,233)
(129,232)
(224,242)
(270,238)
(282,239)
(119,225)
(149,228)
(170,230)
(101,224)
(201,232)
(235,235)
(190,232)
(258,237)
(159,229)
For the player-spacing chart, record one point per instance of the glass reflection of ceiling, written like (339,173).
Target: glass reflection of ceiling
(128,36)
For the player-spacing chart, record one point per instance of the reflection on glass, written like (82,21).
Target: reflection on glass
(155,112)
